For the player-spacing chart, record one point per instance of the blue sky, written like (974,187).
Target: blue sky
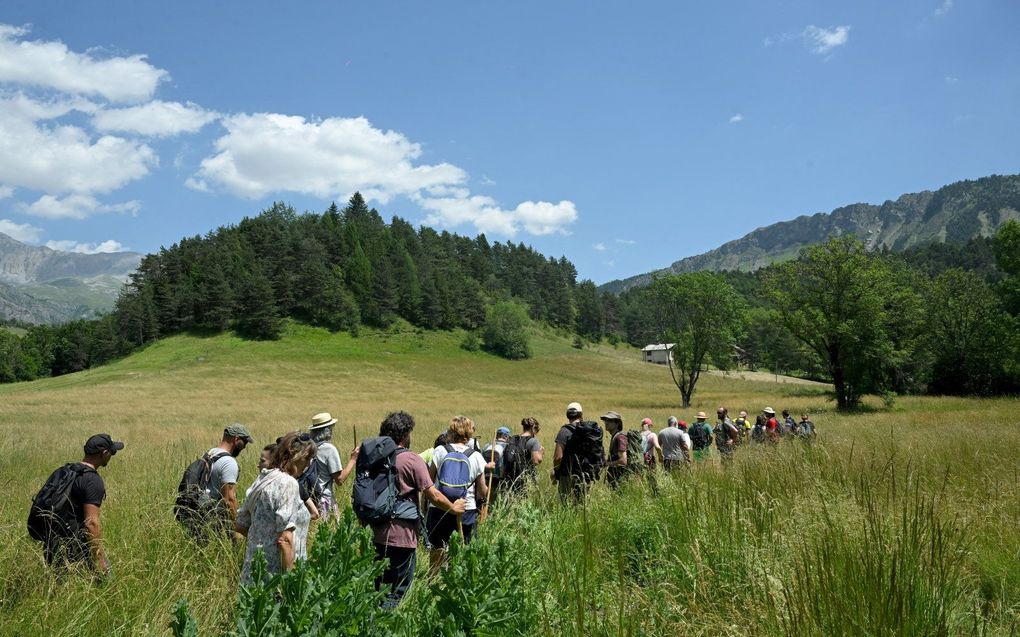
(622,135)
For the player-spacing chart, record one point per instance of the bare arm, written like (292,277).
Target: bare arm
(341,476)
(94,535)
(229,493)
(286,544)
(658,447)
(436,497)
(481,488)
(537,457)
(558,456)
(312,509)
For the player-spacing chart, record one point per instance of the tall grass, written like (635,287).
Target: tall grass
(899,521)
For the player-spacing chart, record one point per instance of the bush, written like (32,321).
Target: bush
(332,592)
(471,342)
(506,330)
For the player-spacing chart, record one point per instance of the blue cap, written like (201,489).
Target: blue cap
(503,431)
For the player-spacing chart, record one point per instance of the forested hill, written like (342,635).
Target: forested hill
(955,213)
(337,270)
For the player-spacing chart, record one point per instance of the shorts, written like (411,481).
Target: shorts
(440,525)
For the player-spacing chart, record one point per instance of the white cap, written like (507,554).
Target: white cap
(575,407)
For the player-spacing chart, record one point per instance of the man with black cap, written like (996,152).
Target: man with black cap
(80,542)
(224,470)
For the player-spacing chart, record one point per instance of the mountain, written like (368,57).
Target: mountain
(955,213)
(40,285)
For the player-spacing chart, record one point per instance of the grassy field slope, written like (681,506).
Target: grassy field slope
(171,401)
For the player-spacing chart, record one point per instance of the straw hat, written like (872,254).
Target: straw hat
(770,411)
(322,420)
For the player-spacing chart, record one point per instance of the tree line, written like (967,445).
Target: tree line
(941,319)
(342,269)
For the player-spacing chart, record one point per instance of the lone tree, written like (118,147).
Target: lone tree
(839,301)
(506,330)
(702,315)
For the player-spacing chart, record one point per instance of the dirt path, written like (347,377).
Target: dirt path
(766,377)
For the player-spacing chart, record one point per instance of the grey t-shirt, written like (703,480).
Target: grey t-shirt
(533,445)
(327,462)
(671,439)
(224,471)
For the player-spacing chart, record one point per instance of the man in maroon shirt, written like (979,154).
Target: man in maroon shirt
(397,540)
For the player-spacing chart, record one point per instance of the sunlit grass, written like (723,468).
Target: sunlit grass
(776,543)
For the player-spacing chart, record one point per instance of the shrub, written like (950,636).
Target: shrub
(471,342)
(506,330)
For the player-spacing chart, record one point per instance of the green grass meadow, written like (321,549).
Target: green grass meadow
(901,520)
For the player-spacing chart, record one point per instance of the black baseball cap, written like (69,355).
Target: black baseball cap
(100,443)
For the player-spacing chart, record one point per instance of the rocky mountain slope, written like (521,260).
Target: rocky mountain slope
(954,213)
(40,285)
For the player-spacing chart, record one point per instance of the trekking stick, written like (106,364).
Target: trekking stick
(355,435)
(488,496)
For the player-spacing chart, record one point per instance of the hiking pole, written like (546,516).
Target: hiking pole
(488,491)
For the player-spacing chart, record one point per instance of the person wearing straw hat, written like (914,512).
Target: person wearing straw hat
(328,467)
(772,430)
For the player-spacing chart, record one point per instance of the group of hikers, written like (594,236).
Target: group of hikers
(403,496)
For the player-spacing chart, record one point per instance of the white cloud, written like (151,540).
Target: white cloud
(599,247)
(736,119)
(542,217)
(821,40)
(535,217)
(52,65)
(6,192)
(944,8)
(61,158)
(20,231)
(154,119)
(268,152)
(76,206)
(951,80)
(626,242)
(86,248)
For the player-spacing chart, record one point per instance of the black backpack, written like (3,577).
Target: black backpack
(375,484)
(52,512)
(516,462)
(701,436)
(583,455)
(193,502)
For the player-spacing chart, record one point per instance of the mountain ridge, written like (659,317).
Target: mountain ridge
(42,285)
(957,212)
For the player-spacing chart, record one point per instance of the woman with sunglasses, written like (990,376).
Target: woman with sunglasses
(273,517)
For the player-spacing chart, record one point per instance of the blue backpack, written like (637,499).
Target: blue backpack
(454,475)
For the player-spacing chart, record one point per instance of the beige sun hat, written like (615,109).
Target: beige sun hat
(770,411)
(322,420)
(702,415)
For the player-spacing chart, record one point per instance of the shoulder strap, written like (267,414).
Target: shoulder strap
(449,448)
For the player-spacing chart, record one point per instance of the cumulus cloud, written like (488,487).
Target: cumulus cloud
(736,119)
(944,8)
(63,158)
(52,65)
(266,153)
(76,206)
(20,231)
(269,152)
(534,217)
(154,119)
(821,40)
(86,248)
(6,192)
(599,247)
